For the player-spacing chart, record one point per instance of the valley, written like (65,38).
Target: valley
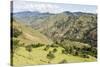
(46,38)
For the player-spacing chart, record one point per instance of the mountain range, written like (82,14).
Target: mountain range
(46,38)
(77,26)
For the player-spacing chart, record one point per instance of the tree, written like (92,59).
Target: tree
(75,53)
(84,56)
(64,52)
(16,32)
(54,50)
(53,45)
(50,56)
(15,44)
(63,61)
(29,48)
(46,48)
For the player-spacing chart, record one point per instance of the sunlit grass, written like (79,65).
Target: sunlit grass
(38,56)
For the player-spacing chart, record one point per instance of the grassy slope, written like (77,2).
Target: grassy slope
(30,35)
(38,56)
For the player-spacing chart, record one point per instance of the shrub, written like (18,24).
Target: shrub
(16,32)
(50,55)
(63,61)
(46,48)
(93,52)
(75,53)
(84,56)
(36,45)
(69,51)
(39,45)
(64,52)
(54,50)
(28,48)
(53,45)
(15,44)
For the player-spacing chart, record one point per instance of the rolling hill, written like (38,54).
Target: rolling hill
(44,38)
(29,35)
(77,26)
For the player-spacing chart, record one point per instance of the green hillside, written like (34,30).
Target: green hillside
(62,27)
(29,35)
(58,38)
(40,55)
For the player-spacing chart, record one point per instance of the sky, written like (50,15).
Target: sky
(20,6)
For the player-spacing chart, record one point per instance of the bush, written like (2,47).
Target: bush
(28,48)
(16,32)
(63,61)
(53,45)
(93,52)
(68,49)
(54,50)
(64,52)
(46,48)
(36,45)
(84,56)
(50,55)
(75,53)
(15,44)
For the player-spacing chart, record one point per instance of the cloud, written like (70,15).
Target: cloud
(46,8)
(41,7)
(19,6)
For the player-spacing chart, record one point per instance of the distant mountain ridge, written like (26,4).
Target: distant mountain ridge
(29,13)
(28,16)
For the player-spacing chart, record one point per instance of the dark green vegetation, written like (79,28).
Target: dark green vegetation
(50,55)
(29,47)
(63,61)
(55,35)
(82,52)
(16,32)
